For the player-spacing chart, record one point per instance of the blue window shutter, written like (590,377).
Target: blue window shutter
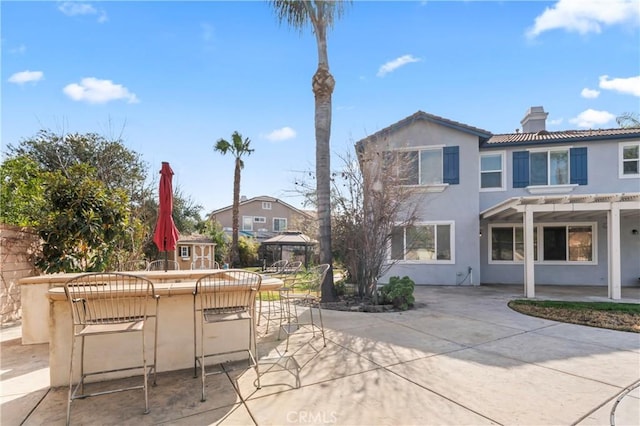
(578,165)
(520,169)
(451,165)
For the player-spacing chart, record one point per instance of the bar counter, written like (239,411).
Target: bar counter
(175,325)
(35,304)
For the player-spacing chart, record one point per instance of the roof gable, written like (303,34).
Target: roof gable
(260,199)
(421,115)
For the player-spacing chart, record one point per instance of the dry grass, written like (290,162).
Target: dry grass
(609,315)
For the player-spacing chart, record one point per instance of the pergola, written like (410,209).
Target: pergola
(293,239)
(583,206)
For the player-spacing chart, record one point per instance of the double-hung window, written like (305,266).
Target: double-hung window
(431,242)
(492,171)
(247,223)
(279,224)
(630,160)
(425,166)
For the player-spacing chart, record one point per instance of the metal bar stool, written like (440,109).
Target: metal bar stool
(107,304)
(223,296)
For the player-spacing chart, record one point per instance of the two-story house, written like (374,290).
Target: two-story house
(523,208)
(264,217)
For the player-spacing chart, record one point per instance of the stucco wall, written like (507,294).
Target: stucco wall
(17,246)
(457,204)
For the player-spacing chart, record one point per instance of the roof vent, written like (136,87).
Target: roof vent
(534,120)
(542,133)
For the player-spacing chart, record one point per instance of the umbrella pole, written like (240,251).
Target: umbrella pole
(166,255)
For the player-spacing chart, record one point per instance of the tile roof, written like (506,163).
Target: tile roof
(562,136)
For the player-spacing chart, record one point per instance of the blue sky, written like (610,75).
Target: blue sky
(171,78)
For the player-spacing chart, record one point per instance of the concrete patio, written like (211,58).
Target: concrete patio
(461,357)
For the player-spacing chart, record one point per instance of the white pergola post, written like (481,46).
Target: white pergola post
(613,237)
(529,276)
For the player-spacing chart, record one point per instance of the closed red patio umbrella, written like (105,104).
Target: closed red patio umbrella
(166,234)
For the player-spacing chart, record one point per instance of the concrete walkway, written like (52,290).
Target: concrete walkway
(461,357)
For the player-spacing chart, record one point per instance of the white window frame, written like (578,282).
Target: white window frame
(503,181)
(183,250)
(621,147)
(419,149)
(259,219)
(266,205)
(493,226)
(286,224)
(540,243)
(548,151)
(244,227)
(452,239)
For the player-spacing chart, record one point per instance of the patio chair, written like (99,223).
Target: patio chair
(304,291)
(134,265)
(109,304)
(223,296)
(276,267)
(274,309)
(292,267)
(205,264)
(161,265)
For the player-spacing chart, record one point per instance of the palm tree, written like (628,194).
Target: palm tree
(237,147)
(321,15)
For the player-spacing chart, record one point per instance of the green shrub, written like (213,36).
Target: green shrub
(399,292)
(341,288)
(248,249)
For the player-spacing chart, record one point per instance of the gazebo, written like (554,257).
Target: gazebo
(292,239)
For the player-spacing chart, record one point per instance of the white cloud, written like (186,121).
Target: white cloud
(585,16)
(18,50)
(555,121)
(73,8)
(629,86)
(590,119)
(281,134)
(97,91)
(26,77)
(589,93)
(395,64)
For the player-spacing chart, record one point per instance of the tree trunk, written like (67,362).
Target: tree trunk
(235,255)
(323,84)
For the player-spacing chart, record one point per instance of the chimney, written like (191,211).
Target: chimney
(243,198)
(534,120)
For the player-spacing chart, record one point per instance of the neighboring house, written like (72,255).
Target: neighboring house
(195,248)
(523,208)
(264,217)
